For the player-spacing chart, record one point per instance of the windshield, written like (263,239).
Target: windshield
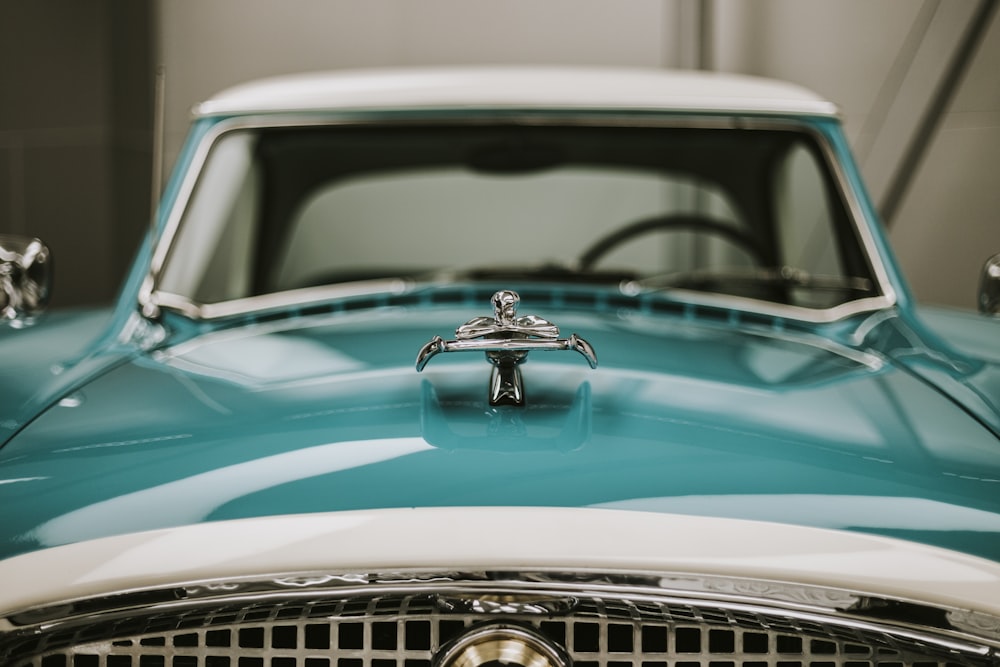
(752,213)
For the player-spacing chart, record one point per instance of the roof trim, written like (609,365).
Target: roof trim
(551,88)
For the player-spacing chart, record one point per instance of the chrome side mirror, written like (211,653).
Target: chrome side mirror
(25,279)
(989,286)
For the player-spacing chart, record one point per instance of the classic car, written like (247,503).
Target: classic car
(488,367)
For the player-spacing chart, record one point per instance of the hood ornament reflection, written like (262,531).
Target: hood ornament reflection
(506,339)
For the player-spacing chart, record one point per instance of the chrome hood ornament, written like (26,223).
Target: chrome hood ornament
(506,339)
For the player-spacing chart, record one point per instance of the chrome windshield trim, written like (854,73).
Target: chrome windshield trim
(289,299)
(779,310)
(150,298)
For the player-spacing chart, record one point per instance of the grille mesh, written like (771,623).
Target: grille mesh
(408,631)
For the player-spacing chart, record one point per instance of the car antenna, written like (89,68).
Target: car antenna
(158,130)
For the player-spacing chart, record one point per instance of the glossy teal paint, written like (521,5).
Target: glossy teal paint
(327,413)
(969,368)
(41,361)
(885,423)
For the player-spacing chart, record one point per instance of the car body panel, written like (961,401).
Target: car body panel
(41,362)
(353,543)
(957,353)
(325,414)
(854,446)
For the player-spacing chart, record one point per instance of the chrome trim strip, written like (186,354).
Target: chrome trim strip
(779,310)
(969,632)
(288,299)
(151,299)
(871,360)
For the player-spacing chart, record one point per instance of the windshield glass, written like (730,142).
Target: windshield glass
(745,212)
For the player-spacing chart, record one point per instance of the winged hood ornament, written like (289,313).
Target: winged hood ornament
(506,339)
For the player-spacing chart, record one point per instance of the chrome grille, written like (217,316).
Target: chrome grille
(408,630)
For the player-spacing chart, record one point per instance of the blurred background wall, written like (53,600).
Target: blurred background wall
(77,80)
(76,112)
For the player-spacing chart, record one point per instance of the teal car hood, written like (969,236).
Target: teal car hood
(680,416)
(40,361)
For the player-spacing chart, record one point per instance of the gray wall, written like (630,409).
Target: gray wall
(75,135)
(76,76)
(217,43)
(881,61)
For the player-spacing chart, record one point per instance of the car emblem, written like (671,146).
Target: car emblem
(506,339)
(493,645)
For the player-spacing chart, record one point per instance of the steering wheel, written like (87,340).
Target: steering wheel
(672,221)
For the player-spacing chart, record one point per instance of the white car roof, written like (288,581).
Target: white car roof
(557,88)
